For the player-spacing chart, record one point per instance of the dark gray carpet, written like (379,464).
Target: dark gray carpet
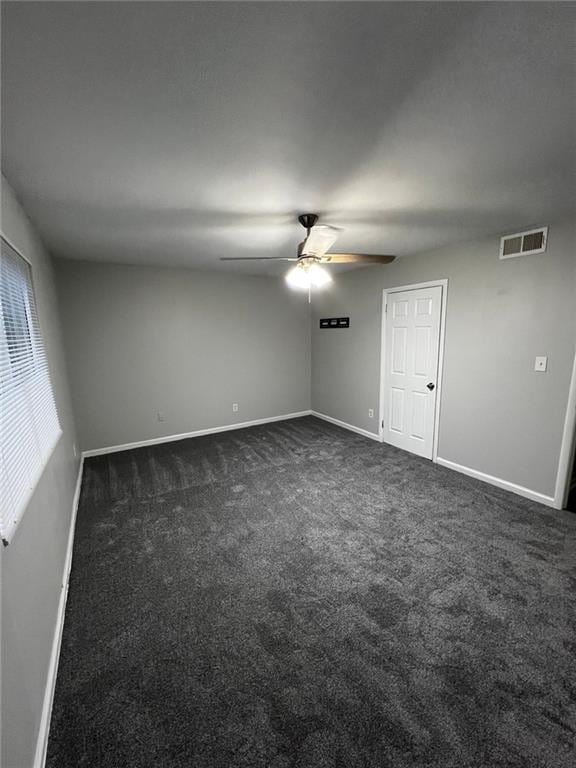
(297,596)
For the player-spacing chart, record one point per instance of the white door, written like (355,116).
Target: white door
(412,345)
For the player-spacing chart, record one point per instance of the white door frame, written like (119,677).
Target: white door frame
(568,446)
(443,283)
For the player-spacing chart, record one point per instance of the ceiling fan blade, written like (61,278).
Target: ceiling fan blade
(356,258)
(321,238)
(258,258)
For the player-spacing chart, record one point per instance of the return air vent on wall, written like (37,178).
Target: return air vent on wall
(524,243)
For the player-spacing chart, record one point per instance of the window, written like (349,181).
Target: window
(29,427)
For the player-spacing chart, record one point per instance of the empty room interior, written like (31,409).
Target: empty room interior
(288,385)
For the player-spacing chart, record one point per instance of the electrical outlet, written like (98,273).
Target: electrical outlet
(235,407)
(370,413)
(160,416)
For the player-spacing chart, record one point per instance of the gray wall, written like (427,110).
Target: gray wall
(141,340)
(497,415)
(32,565)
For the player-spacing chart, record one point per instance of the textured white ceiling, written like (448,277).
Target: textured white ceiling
(175,133)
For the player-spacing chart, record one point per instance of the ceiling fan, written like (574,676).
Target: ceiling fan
(312,252)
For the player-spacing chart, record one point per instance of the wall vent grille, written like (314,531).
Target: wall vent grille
(524,243)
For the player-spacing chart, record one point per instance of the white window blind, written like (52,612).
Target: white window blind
(29,427)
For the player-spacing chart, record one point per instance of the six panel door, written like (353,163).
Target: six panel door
(411,368)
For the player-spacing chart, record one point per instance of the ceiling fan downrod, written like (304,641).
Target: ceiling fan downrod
(308,220)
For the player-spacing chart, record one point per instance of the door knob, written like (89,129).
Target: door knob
(430,386)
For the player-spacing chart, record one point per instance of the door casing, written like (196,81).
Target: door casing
(568,446)
(443,283)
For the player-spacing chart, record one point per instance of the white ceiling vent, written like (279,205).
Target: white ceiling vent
(524,243)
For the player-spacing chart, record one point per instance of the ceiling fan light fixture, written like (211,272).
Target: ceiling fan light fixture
(304,276)
(319,276)
(297,278)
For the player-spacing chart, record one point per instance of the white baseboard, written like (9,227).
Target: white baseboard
(345,425)
(196,433)
(498,482)
(42,741)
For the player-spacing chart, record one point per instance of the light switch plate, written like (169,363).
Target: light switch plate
(540,363)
